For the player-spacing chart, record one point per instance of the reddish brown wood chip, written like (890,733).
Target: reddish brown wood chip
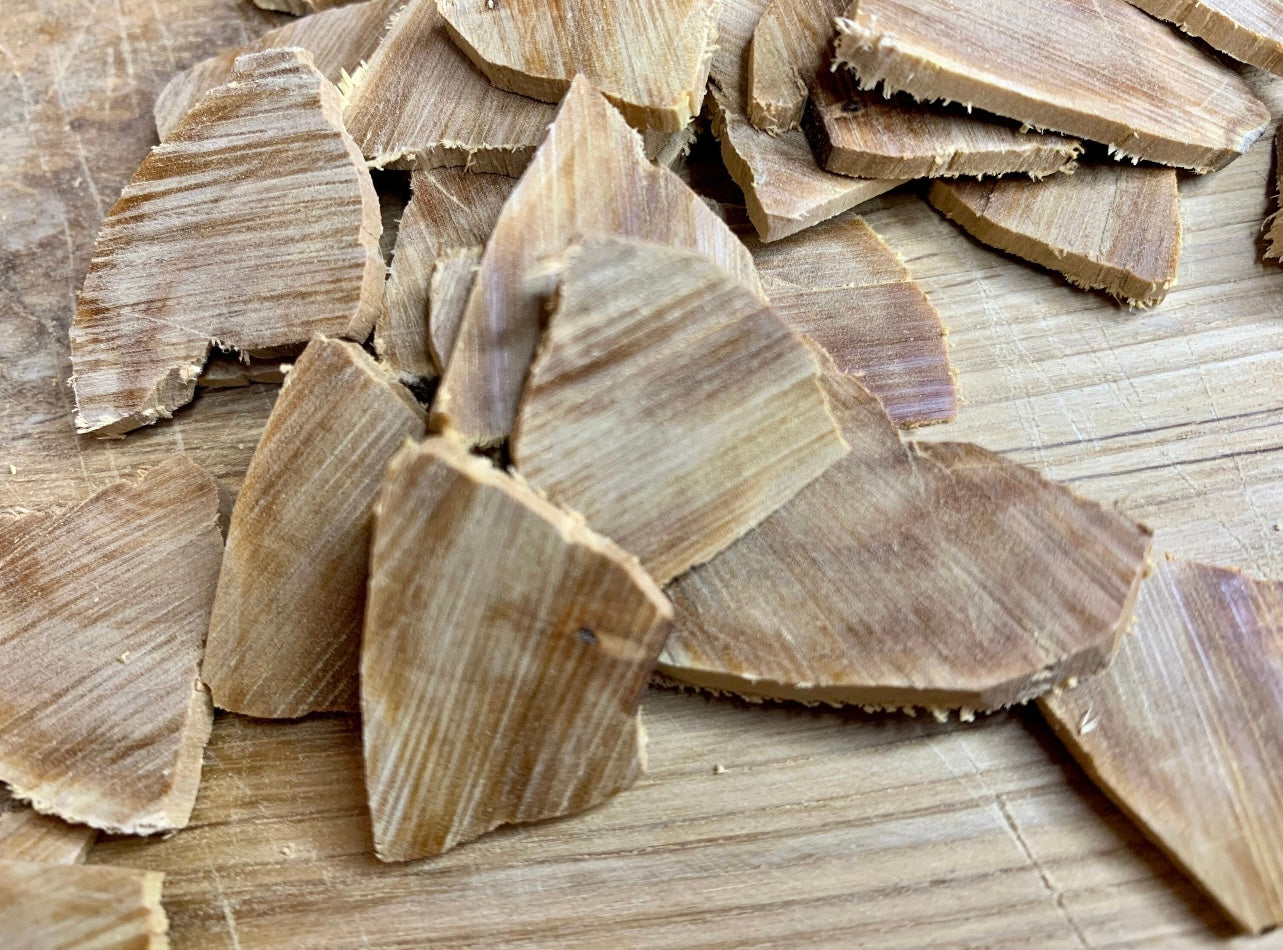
(57,906)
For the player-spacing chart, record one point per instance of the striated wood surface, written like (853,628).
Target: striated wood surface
(57,906)
(791,43)
(453,274)
(27,835)
(1249,30)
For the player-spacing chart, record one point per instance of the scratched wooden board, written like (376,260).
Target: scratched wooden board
(836,828)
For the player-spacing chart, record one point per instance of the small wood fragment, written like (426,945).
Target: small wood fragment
(27,835)
(1114,227)
(1274,223)
(300,7)
(112,734)
(81,907)
(1185,732)
(227,372)
(1249,30)
(791,43)
(284,638)
(506,648)
(669,405)
(453,275)
(291,250)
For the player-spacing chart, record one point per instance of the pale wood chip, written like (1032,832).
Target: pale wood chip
(1185,731)
(119,588)
(262,212)
(1115,228)
(56,906)
(284,638)
(1248,30)
(1117,76)
(506,648)
(27,835)
(453,275)
(791,43)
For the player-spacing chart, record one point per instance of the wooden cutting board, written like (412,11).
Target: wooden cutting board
(756,824)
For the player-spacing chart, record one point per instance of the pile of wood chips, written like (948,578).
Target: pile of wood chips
(611,431)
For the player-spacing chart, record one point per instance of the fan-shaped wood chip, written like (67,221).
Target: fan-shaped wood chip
(506,648)
(589,179)
(1185,732)
(262,214)
(790,45)
(1117,76)
(669,405)
(453,276)
(27,835)
(120,587)
(1111,227)
(68,907)
(1249,30)
(936,575)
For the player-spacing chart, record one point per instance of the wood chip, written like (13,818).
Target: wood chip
(1185,732)
(790,46)
(453,276)
(56,906)
(1117,77)
(27,835)
(291,250)
(284,638)
(589,179)
(650,58)
(300,7)
(669,405)
(1111,227)
(121,586)
(1249,30)
(1274,223)
(935,575)
(506,648)
(227,372)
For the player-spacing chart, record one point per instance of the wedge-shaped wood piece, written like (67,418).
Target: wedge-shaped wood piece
(1185,732)
(27,835)
(453,275)
(1115,228)
(506,648)
(1118,76)
(589,179)
(285,635)
(1274,224)
(791,43)
(57,906)
(669,405)
(648,57)
(937,575)
(263,214)
(103,612)
(1249,30)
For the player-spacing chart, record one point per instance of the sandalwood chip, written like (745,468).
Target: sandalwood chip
(453,274)
(56,906)
(506,648)
(27,835)
(1249,30)
(790,45)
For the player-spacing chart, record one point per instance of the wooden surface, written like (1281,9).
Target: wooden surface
(840,828)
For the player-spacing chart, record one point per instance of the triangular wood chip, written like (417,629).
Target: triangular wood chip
(935,575)
(589,179)
(650,58)
(285,634)
(1185,731)
(57,906)
(27,835)
(669,405)
(1115,228)
(291,250)
(453,276)
(1118,76)
(1249,30)
(506,648)
(120,588)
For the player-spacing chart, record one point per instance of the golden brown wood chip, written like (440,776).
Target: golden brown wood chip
(27,835)
(588,179)
(791,43)
(1274,223)
(1110,227)
(120,589)
(453,275)
(263,214)
(68,907)
(936,575)
(669,405)
(1117,76)
(506,648)
(284,638)
(1185,732)
(1249,30)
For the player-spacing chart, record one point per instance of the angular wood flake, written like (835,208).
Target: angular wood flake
(790,46)
(1111,227)
(506,648)
(57,906)
(1249,30)
(284,638)
(1185,732)
(1117,76)
(27,835)
(262,211)
(453,275)
(103,612)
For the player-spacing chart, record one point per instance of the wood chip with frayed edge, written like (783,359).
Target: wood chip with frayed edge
(1249,30)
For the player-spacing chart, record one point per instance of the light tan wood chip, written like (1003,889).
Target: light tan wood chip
(453,275)
(1274,223)
(1185,732)
(505,652)
(791,43)
(1111,74)
(120,588)
(1249,30)
(935,575)
(67,907)
(254,226)
(589,179)
(669,405)
(284,638)
(27,835)
(1110,227)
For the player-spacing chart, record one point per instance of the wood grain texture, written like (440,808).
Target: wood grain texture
(27,835)
(112,734)
(589,179)
(1114,227)
(1249,30)
(57,906)
(300,7)
(1117,76)
(284,637)
(790,45)
(505,650)
(1185,732)
(453,274)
